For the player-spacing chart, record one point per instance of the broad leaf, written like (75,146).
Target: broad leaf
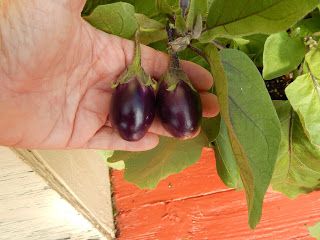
(297,170)
(211,127)
(116,18)
(313,61)
(92,4)
(147,169)
(245,17)
(304,96)
(197,7)
(254,120)
(147,24)
(146,7)
(168,6)
(307,27)
(221,83)
(315,231)
(225,160)
(150,29)
(253,46)
(282,54)
(190,55)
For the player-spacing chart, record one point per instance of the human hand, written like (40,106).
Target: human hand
(56,73)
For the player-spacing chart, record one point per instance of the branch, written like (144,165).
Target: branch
(199,52)
(218,45)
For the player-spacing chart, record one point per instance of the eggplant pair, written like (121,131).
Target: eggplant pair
(134,103)
(134,106)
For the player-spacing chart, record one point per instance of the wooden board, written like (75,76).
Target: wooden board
(81,177)
(31,210)
(195,204)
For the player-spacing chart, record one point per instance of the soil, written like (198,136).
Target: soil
(276,87)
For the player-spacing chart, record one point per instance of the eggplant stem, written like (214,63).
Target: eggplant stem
(174,59)
(199,52)
(137,54)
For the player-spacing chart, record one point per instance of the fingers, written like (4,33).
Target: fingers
(156,63)
(210,105)
(107,138)
(115,54)
(158,129)
(210,108)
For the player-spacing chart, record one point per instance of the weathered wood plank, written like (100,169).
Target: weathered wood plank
(81,177)
(177,187)
(31,210)
(194,205)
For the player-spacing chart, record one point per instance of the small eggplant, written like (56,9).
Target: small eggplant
(132,109)
(179,105)
(133,102)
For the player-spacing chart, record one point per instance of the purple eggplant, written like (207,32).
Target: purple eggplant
(133,102)
(133,107)
(179,107)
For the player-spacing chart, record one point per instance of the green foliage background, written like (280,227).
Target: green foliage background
(257,141)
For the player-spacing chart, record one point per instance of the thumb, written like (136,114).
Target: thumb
(78,5)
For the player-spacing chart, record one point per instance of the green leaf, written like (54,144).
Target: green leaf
(254,120)
(307,27)
(180,23)
(92,4)
(148,8)
(315,231)
(304,96)
(253,46)
(150,29)
(197,7)
(147,169)
(225,160)
(160,46)
(148,24)
(168,6)
(245,17)
(116,18)
(211,127)
(105,154)
(190,55)
(297,170)
(313,62)
(241,157)
(282,54)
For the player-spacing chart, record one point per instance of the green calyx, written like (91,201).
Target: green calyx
(174,76)
(135,70)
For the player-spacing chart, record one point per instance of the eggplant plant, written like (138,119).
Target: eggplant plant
(133,102)
(178,102)
(264,56)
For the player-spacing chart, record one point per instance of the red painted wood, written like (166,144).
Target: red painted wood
(196,205)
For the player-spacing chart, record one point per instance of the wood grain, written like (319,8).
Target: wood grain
(31,210)
(81,177)
(196,205)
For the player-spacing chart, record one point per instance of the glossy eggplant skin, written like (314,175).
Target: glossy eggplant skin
(132,109)
(180,110)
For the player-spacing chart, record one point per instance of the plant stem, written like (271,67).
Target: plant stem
(184,5)
(174,59)
(137,54)
(198,51)
(218,45)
